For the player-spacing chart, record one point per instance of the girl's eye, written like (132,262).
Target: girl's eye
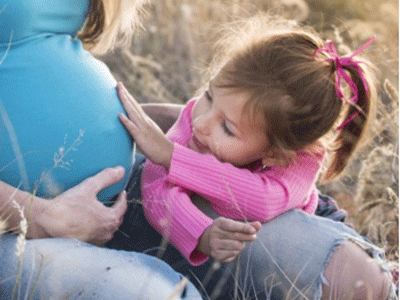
(226,129)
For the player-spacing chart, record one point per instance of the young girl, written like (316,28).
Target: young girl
(251,144)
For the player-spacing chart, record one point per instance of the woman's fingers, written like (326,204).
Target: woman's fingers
(103,179)
(120,206)
(77,213)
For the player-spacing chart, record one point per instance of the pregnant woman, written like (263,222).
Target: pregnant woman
(59,126)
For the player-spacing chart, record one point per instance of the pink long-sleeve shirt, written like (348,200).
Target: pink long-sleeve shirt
(253,193)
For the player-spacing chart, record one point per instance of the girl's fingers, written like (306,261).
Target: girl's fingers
(228,260)
(224,255)
(128,99)
(129,125)
(230,245)
(237,236)
(235,226)
(128,102)
(256,225)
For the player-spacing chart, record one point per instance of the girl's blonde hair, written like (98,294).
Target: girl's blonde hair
(110,23)
(274,62)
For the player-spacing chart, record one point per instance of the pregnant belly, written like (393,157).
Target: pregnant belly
(59,121)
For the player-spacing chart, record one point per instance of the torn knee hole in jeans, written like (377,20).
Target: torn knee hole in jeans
(377,254)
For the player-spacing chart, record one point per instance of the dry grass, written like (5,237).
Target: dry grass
(3,226)
(165,63)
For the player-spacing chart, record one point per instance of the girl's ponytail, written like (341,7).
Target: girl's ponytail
(359,113)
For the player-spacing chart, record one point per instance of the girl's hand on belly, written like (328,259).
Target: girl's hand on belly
(146,133)
(224,239)
(77,213)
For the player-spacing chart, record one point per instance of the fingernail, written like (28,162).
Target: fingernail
(252,230)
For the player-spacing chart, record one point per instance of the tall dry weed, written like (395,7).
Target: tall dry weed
(3,226)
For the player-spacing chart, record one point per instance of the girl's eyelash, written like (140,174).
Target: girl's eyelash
(226,129)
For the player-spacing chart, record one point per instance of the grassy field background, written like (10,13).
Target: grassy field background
(166,60)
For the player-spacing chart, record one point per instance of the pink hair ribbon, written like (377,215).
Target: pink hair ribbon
(330,50)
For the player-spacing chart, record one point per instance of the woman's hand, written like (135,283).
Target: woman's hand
(225,238)
(148,136)
(77,213)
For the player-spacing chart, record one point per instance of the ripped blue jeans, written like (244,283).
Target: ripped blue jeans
(69,269)
(286,261)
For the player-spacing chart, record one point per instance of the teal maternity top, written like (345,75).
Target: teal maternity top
(58,104)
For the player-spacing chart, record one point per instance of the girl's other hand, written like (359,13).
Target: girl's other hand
(149,137)
(224,239)
(77,213)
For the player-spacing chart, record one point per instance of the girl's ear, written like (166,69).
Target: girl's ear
(277,157)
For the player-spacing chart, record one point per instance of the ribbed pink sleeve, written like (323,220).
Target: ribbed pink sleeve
(168,207)
(170,211)
(244,195)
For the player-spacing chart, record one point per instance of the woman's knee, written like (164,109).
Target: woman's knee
(62,268)
(352,274)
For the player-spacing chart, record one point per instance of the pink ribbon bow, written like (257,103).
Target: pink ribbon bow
(330,50)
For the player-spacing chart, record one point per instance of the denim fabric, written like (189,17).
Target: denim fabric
(328,208)
(70,269)
(285,262)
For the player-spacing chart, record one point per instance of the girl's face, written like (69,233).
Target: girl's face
(220,128)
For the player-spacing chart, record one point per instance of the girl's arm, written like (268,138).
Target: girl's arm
(76,213)
(234,192)
(171,212)
(240,193)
